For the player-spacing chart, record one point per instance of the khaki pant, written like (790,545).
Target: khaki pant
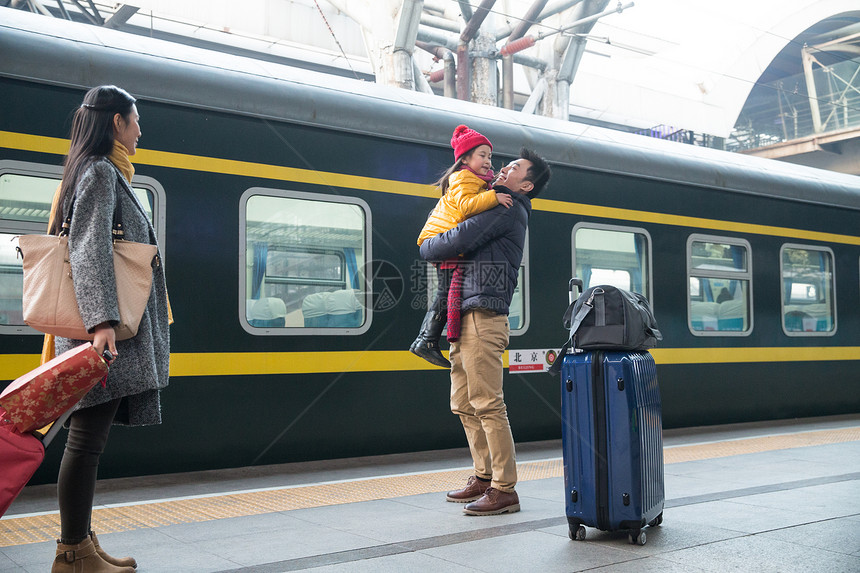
(476,396)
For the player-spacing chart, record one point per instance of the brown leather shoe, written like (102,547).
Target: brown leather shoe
(494,502)
(83,557)
(118,561)
(474,489)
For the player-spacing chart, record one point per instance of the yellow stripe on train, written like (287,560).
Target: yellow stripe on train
(60,146)
(255,363)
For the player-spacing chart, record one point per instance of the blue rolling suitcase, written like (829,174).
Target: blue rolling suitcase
(612,440)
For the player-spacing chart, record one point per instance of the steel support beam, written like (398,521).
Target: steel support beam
(812,94)
(121,16)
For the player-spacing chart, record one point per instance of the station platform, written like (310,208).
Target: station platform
(764,497)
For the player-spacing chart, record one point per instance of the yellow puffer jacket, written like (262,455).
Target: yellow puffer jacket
(467,195)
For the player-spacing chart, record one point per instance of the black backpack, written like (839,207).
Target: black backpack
(605,317)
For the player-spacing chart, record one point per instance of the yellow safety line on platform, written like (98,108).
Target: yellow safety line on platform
(40,528)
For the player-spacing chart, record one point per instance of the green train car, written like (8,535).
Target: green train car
(288,204)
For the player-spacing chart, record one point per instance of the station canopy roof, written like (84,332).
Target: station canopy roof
(690,64)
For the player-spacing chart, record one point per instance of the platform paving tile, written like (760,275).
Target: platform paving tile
(396,564)
(763,555)
(32,556)
(743,518)
(837,499)
(303,539)
(532,551)
(762,469)
(157,552)
(391,521)
(768,511)
(211,530)
(840,535)
(648,565)
(7,565)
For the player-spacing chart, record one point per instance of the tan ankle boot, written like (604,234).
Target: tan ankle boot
(82,558)
(118,561)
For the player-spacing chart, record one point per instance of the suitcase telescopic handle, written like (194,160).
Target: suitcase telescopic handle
(574,282)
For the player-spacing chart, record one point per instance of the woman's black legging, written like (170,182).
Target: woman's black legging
(76,483)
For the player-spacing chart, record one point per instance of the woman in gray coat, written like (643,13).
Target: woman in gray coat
(97,173)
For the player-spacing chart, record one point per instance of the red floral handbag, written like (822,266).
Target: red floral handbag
(44,394)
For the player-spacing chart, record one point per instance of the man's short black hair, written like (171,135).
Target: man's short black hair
(538,173)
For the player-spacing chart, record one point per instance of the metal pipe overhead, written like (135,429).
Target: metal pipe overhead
(440,23)
(450,74)
(554,9)
(434,6)
(534,99)
(420,80)
(559,6)
(465,10)
(463,71)
(407,27)
(530,62)
(476,20)
(508,82)
(431,36)
(528,20)
(618,9)
(517,45)
(438,52)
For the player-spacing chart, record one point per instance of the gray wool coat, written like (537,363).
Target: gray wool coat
(141,369)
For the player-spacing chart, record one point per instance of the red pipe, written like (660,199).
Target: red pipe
(517,45)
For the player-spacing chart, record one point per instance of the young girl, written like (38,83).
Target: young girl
(466,191)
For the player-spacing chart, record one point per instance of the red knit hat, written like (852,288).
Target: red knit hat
(465,139)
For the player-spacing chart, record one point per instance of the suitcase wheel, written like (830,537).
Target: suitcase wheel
(637,537)
(577,534)
(656,521)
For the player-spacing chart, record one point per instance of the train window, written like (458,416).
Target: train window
(303,260)
(26,193)
(808,291)
(719,294)
(26,198)
(613,255)
(518,315)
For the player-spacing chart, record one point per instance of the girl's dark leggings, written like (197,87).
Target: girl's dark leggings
(76,483)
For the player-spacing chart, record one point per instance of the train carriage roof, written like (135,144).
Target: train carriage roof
(57,52)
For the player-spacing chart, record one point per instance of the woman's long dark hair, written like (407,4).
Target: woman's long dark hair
(92,137)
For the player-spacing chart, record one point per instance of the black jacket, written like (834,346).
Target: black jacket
(492,246)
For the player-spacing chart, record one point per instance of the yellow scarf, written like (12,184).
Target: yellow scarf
(119,157)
